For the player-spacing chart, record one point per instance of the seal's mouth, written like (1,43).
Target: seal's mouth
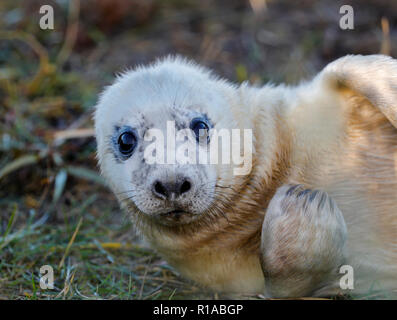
(173,213)
(176,216)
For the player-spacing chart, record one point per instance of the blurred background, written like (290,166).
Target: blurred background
(55,209)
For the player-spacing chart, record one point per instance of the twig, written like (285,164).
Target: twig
(385,46)
(70,243)
(62,135)
(71,33)
(22,162)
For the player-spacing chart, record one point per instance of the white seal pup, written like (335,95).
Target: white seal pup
(320,199)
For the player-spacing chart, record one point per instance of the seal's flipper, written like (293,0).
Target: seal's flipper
(302,242)
(372,77)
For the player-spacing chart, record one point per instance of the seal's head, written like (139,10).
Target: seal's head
(141,109)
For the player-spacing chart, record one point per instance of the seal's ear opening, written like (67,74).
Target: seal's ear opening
(373,78)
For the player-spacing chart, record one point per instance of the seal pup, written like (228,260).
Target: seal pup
(321,194)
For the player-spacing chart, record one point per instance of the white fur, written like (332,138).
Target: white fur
(313,115)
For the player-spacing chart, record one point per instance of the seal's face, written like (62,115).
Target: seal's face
(162,188)
(147,123)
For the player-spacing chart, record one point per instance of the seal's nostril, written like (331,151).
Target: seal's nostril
(170,190)
(160,189)
(185,187)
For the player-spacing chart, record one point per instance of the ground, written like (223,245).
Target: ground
(54,207)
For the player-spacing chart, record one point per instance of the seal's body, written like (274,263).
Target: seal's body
(322,191)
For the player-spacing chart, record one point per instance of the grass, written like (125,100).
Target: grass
(90,256)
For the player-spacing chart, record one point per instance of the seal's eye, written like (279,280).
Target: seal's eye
(200,128)
(127,143)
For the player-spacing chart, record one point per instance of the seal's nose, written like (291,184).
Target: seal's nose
(169,190)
